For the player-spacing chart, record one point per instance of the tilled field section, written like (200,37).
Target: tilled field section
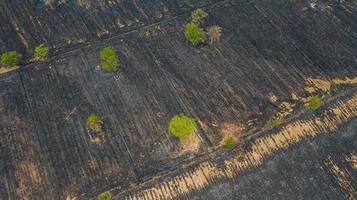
(69,23)
(268,49)
(311,153)
(319,168)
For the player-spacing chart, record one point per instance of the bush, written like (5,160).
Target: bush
(314,102)
(110,60)
(94,123)
(229,144)
(198,15)
(182,126)
(194,34)
(105,196)
(41,52)
(274,122)
(10,59)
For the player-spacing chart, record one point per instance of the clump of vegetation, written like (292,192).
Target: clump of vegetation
(214,33)
(198,15)
(314,102)
(94,123)
(229,144)
(186,166)
(194,34)
(274,122)
(182,126)
(10,59)
(41,52)
(109,59)
(105,196)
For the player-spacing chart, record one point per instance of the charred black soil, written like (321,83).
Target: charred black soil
(270,56)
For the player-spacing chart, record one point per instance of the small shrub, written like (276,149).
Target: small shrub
(186,166)
(314,102)
(94,123)
(10,59)
(274,122)
(214,34)
(198,15)
(194,34)
(41,52)
(182,126)
(105,196)
(229,144)
(109,59)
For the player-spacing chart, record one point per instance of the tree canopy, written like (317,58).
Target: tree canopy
(194,34)
(41,52)
(10,59)
(182,126)
(94,122)
(105,196)
(109,59)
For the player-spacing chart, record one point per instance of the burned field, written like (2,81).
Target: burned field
(271,58)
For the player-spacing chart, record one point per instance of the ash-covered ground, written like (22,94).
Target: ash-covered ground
(267,48)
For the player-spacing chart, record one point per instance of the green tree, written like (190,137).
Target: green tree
(182,126)
(105,196)
(94,123)
(229,144)
(41,52)
(198,15)
(314,102)
(109,59)
(194,34)
(10,59)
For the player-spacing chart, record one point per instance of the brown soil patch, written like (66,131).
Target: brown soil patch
(285,108)
(348,81)
(112,169)
(191,143)
(272,98)
(109,169)
(71,197)
(318,84)
(4,70)
(96,140)
(231,130)
(29,178)
(353,160)
(314,85)
(296,97)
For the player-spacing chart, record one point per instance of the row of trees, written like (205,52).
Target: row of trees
(108,55)
(12,58)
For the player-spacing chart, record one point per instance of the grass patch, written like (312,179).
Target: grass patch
(109,59)
(10,59)
(187,165)
(229,144)
(274,122)
(182,126)
(198,15)
(314,102)
(105,196)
